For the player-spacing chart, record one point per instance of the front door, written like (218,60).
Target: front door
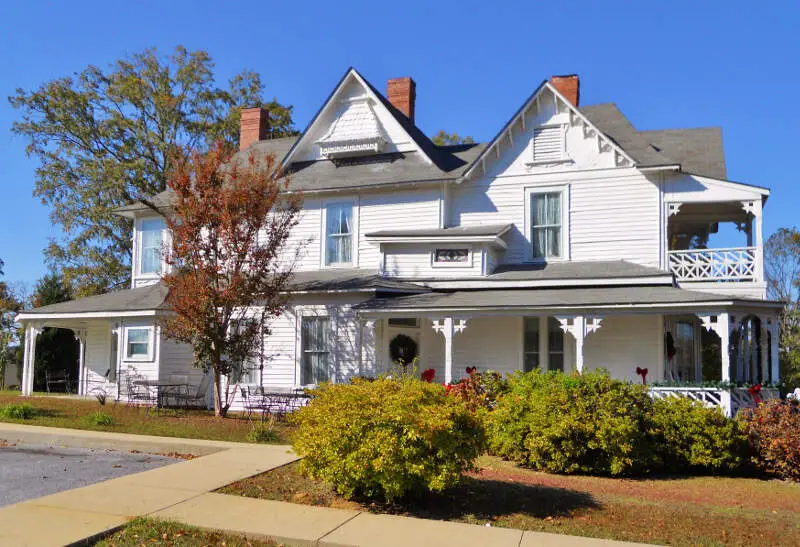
(403,347)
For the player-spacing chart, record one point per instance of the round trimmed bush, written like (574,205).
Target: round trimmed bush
(386,438)
(578,423)
(691,435)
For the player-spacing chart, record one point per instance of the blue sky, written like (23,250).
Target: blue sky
(666,64)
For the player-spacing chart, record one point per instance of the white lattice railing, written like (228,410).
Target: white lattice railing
(733,264)
(730,400)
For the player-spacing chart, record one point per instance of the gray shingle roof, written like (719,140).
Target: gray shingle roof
(456,231)
(578,298)
(594,269)
(698,150)
(349,279)
(147,298)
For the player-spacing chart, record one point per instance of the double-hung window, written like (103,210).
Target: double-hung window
(316,358)
(138,343)
(338,233)
(151,237)
(548,223)
(249,371)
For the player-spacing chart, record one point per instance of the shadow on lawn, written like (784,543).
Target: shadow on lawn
(486,499)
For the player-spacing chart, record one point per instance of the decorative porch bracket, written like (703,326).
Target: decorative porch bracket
(579,327)
(29,357)
(673,208)
(448,327)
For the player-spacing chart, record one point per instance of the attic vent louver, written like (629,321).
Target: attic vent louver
(548,144)
(355,132)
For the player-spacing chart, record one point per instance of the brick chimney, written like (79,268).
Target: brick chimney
(402,93)
(253,126)
(569,86)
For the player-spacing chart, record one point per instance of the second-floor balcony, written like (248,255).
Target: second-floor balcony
(730,264)
(703,240)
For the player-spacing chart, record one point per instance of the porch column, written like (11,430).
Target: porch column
(754,208)
(367,354)
(579,327)
(764,348)
(449,327)
(80,336)
(29,358)
(774,331)
(721,324)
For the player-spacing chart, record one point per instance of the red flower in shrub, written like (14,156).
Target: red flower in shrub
(755,391)
(427,375)
(448,387)
(471,370)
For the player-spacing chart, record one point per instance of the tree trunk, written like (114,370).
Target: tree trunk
(217,393)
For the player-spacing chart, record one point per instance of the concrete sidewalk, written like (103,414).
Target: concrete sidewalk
(182,492)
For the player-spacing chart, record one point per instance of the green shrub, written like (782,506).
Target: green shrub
(774,433)
(18,411)
(100,418)
(690,435)
(579,423)
(386,438)
(262,433)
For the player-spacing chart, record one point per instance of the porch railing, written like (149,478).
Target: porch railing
(730,400)
(732,264)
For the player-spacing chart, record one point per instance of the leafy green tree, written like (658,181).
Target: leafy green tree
(107,137)
(782,265)
(443,138)
(10,304)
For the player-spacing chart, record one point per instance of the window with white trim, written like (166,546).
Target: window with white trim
(339,233)
(151,234)
(548,144)
(543,344)
(547,224)
(139,343)
(248,372)
(315,344)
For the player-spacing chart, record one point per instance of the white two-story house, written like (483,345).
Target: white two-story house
(571,241)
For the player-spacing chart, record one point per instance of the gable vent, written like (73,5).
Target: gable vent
(548,144)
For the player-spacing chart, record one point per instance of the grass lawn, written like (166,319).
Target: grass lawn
(158,532)
(675,510)
(71,412)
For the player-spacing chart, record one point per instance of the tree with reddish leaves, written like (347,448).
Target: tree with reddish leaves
(230,222)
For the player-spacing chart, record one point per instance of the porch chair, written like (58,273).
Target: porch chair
(198,399)
(255,402)
(138,393)
(57,378)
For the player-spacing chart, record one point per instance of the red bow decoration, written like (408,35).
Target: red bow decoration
(643,373)
(448,387)
(755,391)
(471,370)
(428,375)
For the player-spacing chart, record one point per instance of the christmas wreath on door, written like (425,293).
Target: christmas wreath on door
(403,349)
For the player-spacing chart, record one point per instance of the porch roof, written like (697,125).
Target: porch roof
(349,280)
(136,301)
(573,298)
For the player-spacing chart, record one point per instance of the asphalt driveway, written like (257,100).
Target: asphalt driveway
(31,471)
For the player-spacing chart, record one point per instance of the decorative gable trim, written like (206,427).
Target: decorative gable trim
(576,117)
(355,131)
(369,93)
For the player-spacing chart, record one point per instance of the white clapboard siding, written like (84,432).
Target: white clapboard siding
(98,355)
(410,209)
(625,342)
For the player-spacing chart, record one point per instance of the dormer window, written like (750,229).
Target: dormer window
(549,144)
(355,132)
(150,240)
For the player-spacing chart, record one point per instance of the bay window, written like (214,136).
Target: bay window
(339,233)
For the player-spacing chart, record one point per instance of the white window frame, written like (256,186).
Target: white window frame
(324,234)
(259,370)
(315,311)
(563,157)
(544,344)
(150,344)
(138,248)
(565,206)
(466,265)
